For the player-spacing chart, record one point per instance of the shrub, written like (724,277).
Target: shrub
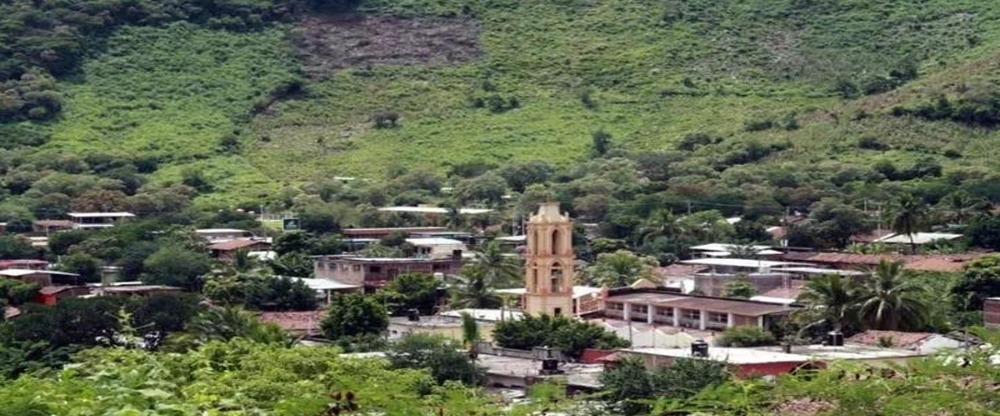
(759,125)
(692,141)
(871,143)
(745,336)
(385,119)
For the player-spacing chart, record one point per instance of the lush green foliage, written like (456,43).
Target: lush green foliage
(261,292)
(443,357)
(411,291)
(888,299)
(568,335)
(745,336)
(353,315)
(631,387)
(44,336)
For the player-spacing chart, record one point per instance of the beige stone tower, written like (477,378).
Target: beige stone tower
(548,271)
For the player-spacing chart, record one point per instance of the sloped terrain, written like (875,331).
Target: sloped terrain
(501,80)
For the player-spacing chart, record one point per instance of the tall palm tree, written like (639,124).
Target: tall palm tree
(223,324)
(500,270)
(470,335)
(473,290)
(887,302)
(909,215)
(242,262)
(959,207)
(831,297)
(661,223)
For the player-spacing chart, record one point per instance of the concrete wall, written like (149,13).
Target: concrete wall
(991,313)
(714,284)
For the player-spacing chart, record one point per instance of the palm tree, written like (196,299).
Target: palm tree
(886,302)
(224,324)
(830,296)
(470,335)
(909,215)
(473,290)
(959,207)
(500,270)
(661,223)
(242,262)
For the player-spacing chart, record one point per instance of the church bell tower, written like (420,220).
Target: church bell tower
(548,268)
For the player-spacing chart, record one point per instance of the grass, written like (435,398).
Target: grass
(656,73)
(172,93)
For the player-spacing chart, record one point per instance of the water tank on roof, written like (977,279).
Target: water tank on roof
(699,348)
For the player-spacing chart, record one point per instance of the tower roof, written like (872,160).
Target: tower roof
(549,212)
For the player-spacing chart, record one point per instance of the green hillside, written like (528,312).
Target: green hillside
(514,80)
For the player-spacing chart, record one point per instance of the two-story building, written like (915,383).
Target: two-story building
(662,307)
(97,220)
(373,273)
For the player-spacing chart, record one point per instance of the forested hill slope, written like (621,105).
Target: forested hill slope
(240,99)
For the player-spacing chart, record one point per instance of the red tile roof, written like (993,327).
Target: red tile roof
(680,270)
(235,244)
(21,262)
(307,321)
(904,340)
(791,292)
(52,290)
(933,263)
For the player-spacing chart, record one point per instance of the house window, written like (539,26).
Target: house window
(356,267)
(375,269)
(616,306)
(640,308)
(718,318)
(691,314)
(667,312)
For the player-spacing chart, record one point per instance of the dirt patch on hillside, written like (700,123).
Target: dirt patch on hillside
(330,44)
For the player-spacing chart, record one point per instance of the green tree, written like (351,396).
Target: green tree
(470,335)
(630,388)
(83,264)
(473,289)
(500,269)
(521,175)
(16,247)
(16,293)
(568,335)
(354,315)
(621,268)
(887,301)
(224,324)
(740,289)
(61,242)
(295,264)
(279,293)
(909,215)
(959,207)
(411,291)
(830,298)
(174,265)
(488,188)
(441,356)
(745,336)
(980,280)
(661,223)
(600,143)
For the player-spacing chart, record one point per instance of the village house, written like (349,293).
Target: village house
(373,273)
(218,235)
(97,220)
(663,307)
(226,250)
(991,313)
(50,226)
